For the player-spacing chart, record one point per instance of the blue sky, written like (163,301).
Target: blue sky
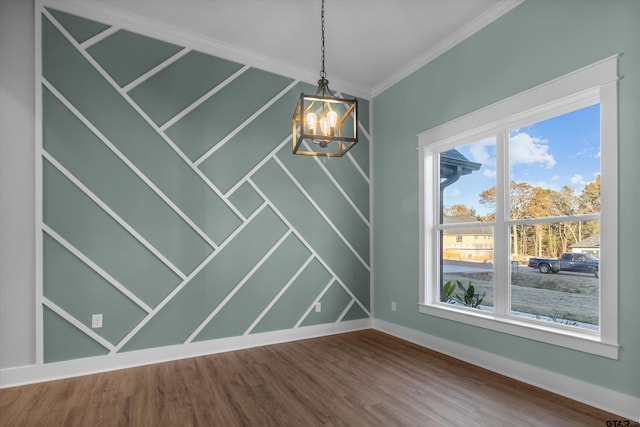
(564,150)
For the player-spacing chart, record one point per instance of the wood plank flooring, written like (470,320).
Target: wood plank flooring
(363,378)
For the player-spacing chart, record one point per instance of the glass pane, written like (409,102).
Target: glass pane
(555,273)
(467,257)
(555,166)
(466,173)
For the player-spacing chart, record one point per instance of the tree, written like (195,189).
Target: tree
(564,204)
(540,204)
(520,196)
(589,199)
(588,202)
(459,210)
(552,238)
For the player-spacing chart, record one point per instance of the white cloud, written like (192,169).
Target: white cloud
(555,177)
(479,153)
(578,179)
(489,173)
(525,149)
(453,192)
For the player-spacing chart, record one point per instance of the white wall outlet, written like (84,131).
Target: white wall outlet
(393,306)
(318,307)
(96,321)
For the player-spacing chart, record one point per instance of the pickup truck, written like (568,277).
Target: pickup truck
(569,261)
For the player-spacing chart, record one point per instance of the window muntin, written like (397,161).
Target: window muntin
(594,85)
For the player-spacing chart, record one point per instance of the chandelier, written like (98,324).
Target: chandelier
(323,124)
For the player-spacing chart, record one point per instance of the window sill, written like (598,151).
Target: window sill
(571,339)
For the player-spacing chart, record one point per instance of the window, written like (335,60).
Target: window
(518,209)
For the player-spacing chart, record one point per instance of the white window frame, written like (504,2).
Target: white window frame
(592,84)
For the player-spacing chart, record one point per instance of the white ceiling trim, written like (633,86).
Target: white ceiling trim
(170,34)
(176,35)
(460,35)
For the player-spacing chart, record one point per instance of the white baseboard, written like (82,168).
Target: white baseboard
(22,375)
(606,399)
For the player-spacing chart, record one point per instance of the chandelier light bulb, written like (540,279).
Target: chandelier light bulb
(324,126)
(312,122)
(332,116)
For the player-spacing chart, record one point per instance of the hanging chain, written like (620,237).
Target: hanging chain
(323,74)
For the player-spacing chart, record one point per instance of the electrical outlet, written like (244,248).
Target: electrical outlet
(318,307)
(96,321)
(393,306)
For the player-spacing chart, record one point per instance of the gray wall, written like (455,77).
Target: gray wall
(17,184)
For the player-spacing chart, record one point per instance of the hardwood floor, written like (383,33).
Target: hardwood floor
(363,378)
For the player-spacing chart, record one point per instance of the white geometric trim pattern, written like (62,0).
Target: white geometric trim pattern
(216,247)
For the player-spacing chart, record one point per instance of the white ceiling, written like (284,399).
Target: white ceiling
(370,44)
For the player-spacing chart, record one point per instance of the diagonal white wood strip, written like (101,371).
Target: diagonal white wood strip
(258,166)
(161,66)
(363,130)
(237,287)
(345,311)
(185,282)
(95,267)
(278,295)
(321,212)
(113,214)
(358,168)
(203,98)
(127,162)
(338,186)
(353,160)
(313,303)
(75,322)
(306,244)
(143,115)
(199,173)
(242,125)
(99,37)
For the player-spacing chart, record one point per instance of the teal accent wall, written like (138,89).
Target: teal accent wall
(171,202)
(534,43)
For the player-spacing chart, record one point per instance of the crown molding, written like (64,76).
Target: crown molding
(171,34)
(462,34)
(153,28)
